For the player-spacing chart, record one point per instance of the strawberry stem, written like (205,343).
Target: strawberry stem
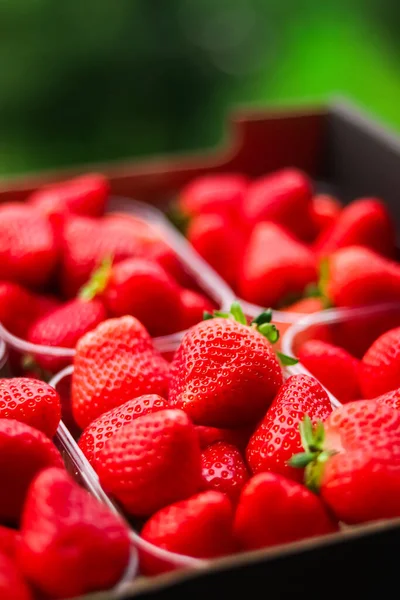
(98,280)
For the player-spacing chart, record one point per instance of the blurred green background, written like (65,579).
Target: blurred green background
(91,80)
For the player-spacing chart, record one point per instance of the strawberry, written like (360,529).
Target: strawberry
(113,364)
(138,287)
(63,327)
(364,222)
(104,427)
(193,307)
(83,195)
(32,402)
(391,399)
(28,252)
(220,194)
(277,438)
(275,510)
(283,197)
(325,210)
(23,452)
(274,266)
(224,469)
(200,526)
(380,366)
(9,541)
(225,373)
(236,437)
(151,462)
(333,366)
(307,306)
(70,543)
(219,242)
(16,310)
(12,584)
(358,276)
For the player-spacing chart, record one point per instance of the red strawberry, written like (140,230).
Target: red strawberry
(278,436)
(138,287)
(283,197)
(9,541)
(364,222)
(83,195)
(219,242)
(24,451)
(335,368)
(380,366)
(391,399)
(104,427)
(32,402)
(16,308)
(152,462)
(70,543)
(224,469)
(160,252)
(358,276)
(193,307)
(113,364)
(274,510)
(220,194)
(12,584)
(224,373)
(28,252)
(236,437)
(63,327)
(200,527)
(357,469)
(274,266)
(325,210)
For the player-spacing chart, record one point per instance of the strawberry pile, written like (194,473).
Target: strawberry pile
(218,452)
(66,266)
(56,540)
(278,243)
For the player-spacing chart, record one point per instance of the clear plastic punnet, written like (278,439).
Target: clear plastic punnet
(86,475)
(3,359)
(354,329)
(204,278)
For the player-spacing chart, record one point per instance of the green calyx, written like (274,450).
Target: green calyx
(314,457)
(319,289)
(262,323)
(98,280)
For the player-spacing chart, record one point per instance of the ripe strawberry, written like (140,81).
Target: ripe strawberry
(224,373)
(63,327)
(9,541)
(358,276)
(325,210)
(211,435)
(220,194)
(16,310)
(113,364)
(283,197)
(70,543)
(152,462)
(364,222)
(32,402)
(200,527)
(104,427)
(380,366)
(333,366)
(24,451)
(160,252)
(277,437)
(28,252)
(83,195)
(224,469)
(12,584)
(391,399)
(274,266)
(138,287)
(274,510)
(86,242)
(193,307)
(219,242)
